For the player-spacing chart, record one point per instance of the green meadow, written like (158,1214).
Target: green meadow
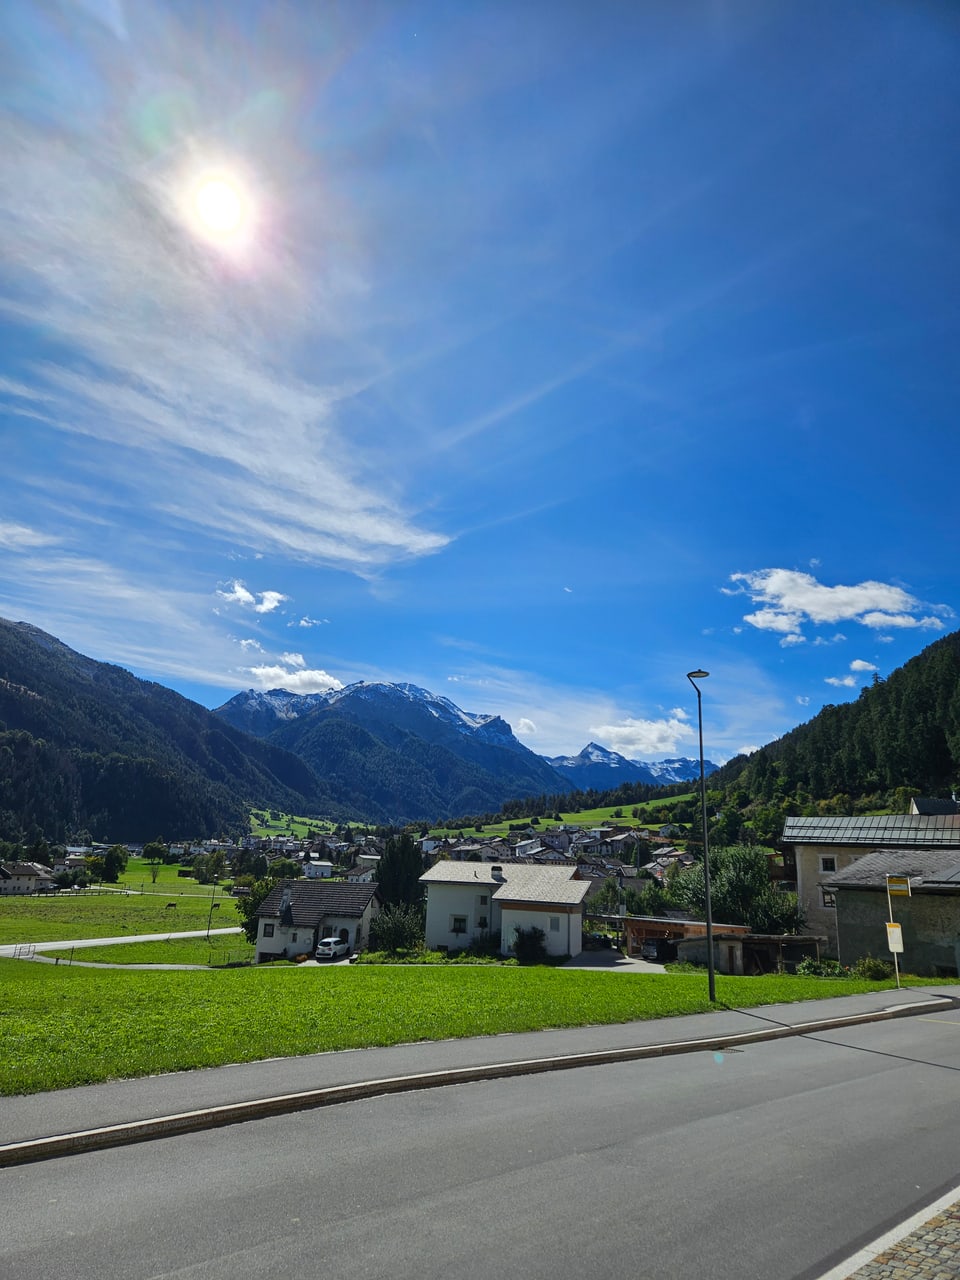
(63,1025)
(107,913)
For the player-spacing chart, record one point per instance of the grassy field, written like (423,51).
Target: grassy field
(220,950)
(298,827)
(64,1025)
(105,914)
(288,824)
(139,875)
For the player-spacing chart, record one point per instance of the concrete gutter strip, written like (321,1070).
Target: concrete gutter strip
(36,1149)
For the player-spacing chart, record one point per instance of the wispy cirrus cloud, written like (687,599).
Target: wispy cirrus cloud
(184,361)
(19,537)
(790,599)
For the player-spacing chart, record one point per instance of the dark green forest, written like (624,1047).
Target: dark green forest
(86,747)
(900,738)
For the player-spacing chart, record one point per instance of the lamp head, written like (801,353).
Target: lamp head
(697,675)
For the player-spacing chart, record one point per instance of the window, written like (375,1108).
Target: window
(483,900)
(827,899)
(828,863)
(482,922)
(554,924)
(458,924)
(268,930)
(293,937)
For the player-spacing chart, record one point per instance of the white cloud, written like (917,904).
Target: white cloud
(844,682)
(17,537)
(293,659)
(237,593)
(746,751)
(792,639)
(252,645)
(679,713)
(569,589)
(525,728)
(858,664)
(309,622)
(302,681)
(900,620)
(269,601)
(642,738)
(772,620)
(803,699)
(791,598)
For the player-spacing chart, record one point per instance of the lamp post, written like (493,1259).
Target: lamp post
(693,677)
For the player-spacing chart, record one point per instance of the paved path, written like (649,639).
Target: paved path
(16,950)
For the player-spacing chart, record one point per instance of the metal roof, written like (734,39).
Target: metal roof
(929,868)
(876,829)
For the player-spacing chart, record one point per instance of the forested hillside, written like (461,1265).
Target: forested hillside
(901,737)
(87,747)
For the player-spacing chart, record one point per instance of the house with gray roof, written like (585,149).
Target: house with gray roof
(468,900)
(817,848)
(929,918)
(297,913)
(19,878)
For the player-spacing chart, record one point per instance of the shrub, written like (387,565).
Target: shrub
(811,968)
(397,928)
(530,945)
(873,969)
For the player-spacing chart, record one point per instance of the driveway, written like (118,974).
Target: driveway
(614,961)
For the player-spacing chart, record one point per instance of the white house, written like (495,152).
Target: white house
(297,913)
(473,899)
(17,878)
(317,869)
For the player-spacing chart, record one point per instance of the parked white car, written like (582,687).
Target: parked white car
(327,948)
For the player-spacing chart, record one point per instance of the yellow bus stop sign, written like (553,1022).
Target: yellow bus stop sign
(894,938)
(898,886)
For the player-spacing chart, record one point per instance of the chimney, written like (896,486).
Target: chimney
(496,872)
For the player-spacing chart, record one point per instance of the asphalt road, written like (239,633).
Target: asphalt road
(773,1161)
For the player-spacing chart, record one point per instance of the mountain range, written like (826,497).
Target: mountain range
(405,718)
(87,747)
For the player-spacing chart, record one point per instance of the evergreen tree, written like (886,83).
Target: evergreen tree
(399,871)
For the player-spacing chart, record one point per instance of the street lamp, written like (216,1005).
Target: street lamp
(693,677)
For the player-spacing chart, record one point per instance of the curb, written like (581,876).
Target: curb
(29,1152)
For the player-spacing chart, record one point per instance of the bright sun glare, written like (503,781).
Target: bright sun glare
(219,206)
(219,209)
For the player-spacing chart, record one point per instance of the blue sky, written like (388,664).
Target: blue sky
(534,353)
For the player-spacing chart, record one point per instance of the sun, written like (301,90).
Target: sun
(220,210)
(219,206)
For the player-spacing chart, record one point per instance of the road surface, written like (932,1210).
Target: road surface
(772,1162)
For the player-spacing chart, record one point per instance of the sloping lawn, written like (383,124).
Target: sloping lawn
(109,914)
(62,1026)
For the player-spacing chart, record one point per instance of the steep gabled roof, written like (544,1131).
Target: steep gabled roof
(304,903)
